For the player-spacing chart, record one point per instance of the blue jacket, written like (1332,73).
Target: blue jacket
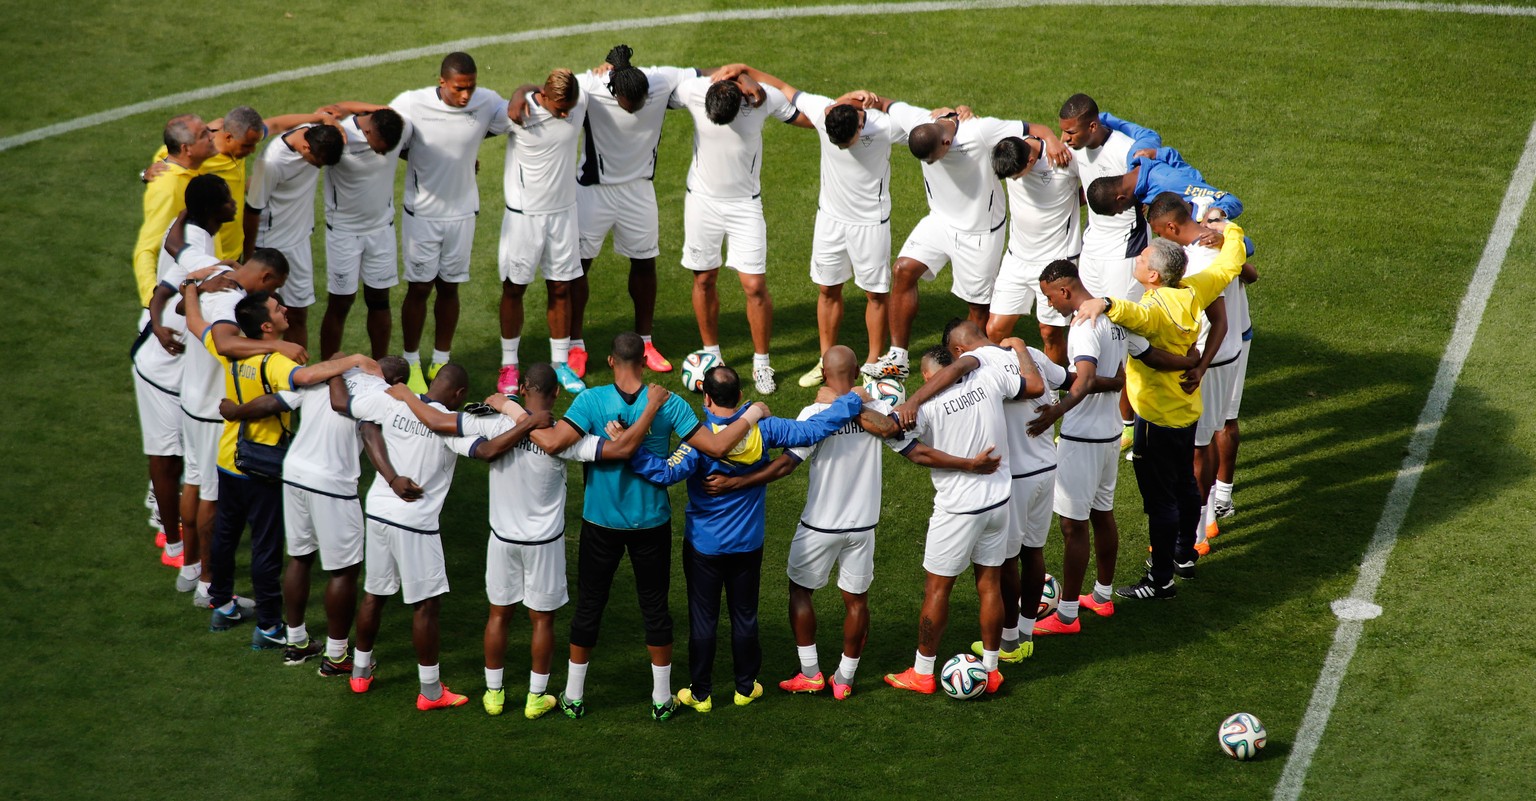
(1168,172)
(1141,138)
(734,522)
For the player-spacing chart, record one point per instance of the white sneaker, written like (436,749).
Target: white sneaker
(812,377)
(763,377)
(202,601)
(870,369)
(891,367)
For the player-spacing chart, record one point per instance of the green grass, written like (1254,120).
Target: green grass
(1372,150)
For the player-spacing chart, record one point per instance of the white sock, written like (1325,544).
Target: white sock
(298,635)
(1011,634)
(1067,610)
(1207,516)
(989,660)
(715,349)
(335,650)
(1222,492)
(578,343)
(362,659)
(661,683)
(759,360)
(509,350)
(493,678)
(173,549)
(923,664)
(809,665)
(428,674)
(537,683)
(440,357)
(560,350)
(899,354)
(1102,592)
(1200,526)
(575,681)
(848,666)
(412,357)
(203,587)
(646,338)
(192,571)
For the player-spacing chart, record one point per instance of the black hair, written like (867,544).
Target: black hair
(722,102)
(455,374)
(624,80)
(842,124)
(949,328)
(722,386)
(204,195)
(1009,157)
(251,314)
(923,140)
(1101,195)
(396,370)
(325,142)
(1078,107)
(457,63)
(272,258)
(1169,205)
(1059,269)
(628,348)
(539,379)
(390,126)
(938,355)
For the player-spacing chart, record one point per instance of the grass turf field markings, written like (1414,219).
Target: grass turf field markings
(735,15)
(1360,605)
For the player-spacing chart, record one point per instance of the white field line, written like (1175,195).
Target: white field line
(182,99)
(1468,319)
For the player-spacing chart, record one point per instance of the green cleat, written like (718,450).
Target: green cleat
(572,709)
(537,704)
(663,711)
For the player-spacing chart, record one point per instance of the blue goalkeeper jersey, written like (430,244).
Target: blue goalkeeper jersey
(1168,172)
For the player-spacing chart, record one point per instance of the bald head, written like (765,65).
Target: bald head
(839,367)
(925,142)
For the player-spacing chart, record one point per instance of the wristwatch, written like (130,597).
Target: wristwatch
(1108,302)
(142,179)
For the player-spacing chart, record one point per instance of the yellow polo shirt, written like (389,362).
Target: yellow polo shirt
(1169,318)
(230,242)
(164,198)
(243,383)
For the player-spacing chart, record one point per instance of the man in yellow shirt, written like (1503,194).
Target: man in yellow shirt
(164,198)
(1166,410)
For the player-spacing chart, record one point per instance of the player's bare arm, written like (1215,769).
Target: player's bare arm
(255,409)
(983,463)
(721,484)
(906,413)
(1085,385)
(622,444)
(325,371)
(1217,314)
(227,339)
(1032,384)
(517,104)
(435,419)
(492,449)
(378,453)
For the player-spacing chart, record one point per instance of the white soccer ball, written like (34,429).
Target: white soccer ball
(1050,596)
(963,677)
(886,389)
(1241,736)
(695,365)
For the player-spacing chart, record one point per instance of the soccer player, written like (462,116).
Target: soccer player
(188,143)
(724,204)
(1044,225)
(1229,437)
(1110,242)
(626,106)
(622,512)
(441,201)
(404,550)
(360,222)
(156,358)
(538,227)
(966,213)
(1166,414)
(280,210)
(1149,176)
(723,535)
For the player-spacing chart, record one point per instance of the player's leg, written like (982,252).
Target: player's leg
(811,556)
(333,324)
(303,542)
(1229,438)
(382,581)
(747,254)
(165,477)
(925,253)
(597,560)
(504,589)
(902,307)
(743,586)
(423,582)
(636,237)
(544,591)
(421,250)
(987,556)
(703,237)
(856,571)
(458,238)
(933,618)
(830,268)
(642,292)
(559,252)
(413,318)
(343,268)
(1012,297)
(339,526)
(705,580)
(1010,586)
(977,258)
(299,292)
(706,308)
(829,315)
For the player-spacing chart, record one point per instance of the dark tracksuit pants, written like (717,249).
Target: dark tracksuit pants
(739,576)
(260,503)
(1165,474)
(597,560)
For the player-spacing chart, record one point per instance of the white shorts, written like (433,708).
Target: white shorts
(976,256)
(709,222)
(532,575)
(1110,277)
(531,241)
(812,553)
(1017,290)
(331,525)
(200,448)
(1237,385)
(1215,400)
(1086,473)
(1029,511)
(955,541)
(404,561)
(298,290)
(159,417)
(436,249)
(372,255)
(629,210)
(841,251)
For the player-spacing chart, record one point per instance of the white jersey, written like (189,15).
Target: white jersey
(540,173)
(440,172)
(962,190)
(528,485)
(1199,259)
(843,492)
(1097,417)
(964,420)
(728,159)
(150,360)
(1043,219)
(1027,456)
(855,183)
(1125,234)
(416,452)
(323,457)
(360,189)
(202,376)
(620,147)
(282,188)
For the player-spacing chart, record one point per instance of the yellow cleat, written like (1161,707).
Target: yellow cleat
(685,697)
(416,381)
(757,692)
(494,700)
(537,704)
(1025,650)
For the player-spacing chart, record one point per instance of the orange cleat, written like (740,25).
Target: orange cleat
(160,540)
(1087,601)
(803,684)
(172,561)
(1202,548)
(578,361)
(1212,531)
(840,691)
(1052,625)
(994,681)
(447,699)
(910,679)
(654,361)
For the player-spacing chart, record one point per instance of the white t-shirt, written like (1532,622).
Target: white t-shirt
(440,172)
(540,173)
(1109,237)
(150,359)
(855,183)
(621,147)
(1103,344)
(1201,258)
(843,492)
(282,186)
(964,420)
(324,454)
(1044,223)
(1026,455)
(415,452)
(962,189)
(728,159)
(202,377)
(527,485)
(360,189)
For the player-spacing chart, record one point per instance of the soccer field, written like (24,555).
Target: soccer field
(1372,148)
